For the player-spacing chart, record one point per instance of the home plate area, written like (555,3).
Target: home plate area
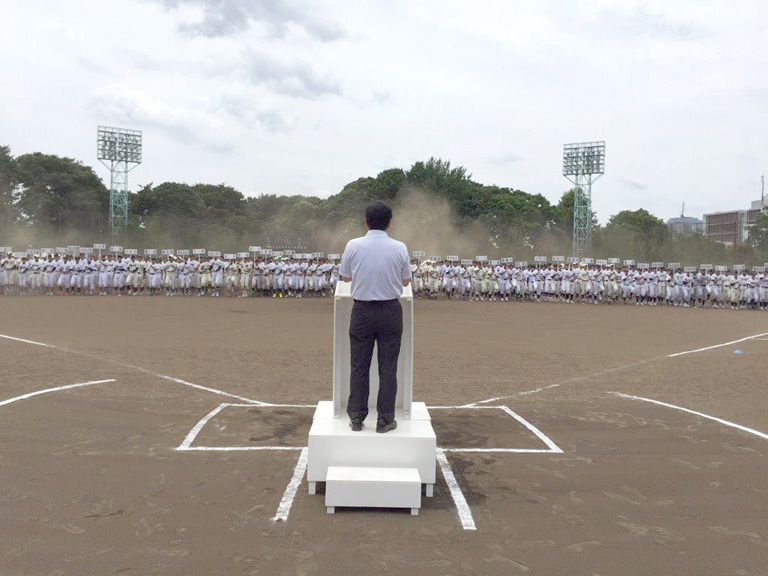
(460,429)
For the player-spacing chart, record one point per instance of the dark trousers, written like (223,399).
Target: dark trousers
(380,323)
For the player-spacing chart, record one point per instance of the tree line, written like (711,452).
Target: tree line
(52,200)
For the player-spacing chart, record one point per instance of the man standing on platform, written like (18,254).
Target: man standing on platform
(378,267)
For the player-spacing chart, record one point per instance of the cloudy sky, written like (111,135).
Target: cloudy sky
(303,97)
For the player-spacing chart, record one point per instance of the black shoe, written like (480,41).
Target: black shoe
(382,426)
(356,424)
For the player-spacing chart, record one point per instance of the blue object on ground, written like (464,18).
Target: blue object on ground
(737,351)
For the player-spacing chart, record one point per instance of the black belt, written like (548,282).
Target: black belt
(377,301)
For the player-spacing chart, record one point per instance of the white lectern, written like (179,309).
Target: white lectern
(367,469)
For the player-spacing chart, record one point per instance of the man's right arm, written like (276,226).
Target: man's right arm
(405,269)
(345,267)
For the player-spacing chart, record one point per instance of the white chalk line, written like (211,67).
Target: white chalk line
(502,450)
(145,370)
(199,426)
(240,448)
(539,434)
(762,435)
(284,509)
(717,345)
(26,341)
(270,405)
(465,514)
(610,370)
(56,389)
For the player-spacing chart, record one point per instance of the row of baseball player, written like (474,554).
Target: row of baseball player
(171,276)
(288,277)
(591,283)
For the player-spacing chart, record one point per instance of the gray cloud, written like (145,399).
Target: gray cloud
(297,79)
(143,111)
(644,23)
(244,110)
(229,17)
(634,185)
(504,159)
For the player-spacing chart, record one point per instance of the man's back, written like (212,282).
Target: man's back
(377,264)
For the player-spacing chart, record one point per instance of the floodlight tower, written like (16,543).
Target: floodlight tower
(583,163)
(119,150)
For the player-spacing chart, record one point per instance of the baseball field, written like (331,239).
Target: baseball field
(166,436)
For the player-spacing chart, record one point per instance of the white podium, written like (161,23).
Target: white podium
(367,469)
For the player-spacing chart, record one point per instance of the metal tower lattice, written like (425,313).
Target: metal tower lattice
(119,150)
(583,164)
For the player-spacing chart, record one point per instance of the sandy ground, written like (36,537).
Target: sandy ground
(91,483)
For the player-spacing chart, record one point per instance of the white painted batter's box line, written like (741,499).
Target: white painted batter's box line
(186,445)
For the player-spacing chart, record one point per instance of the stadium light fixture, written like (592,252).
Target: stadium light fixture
(583,164)
(120,150)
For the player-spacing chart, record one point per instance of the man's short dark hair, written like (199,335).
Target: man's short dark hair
(378,215)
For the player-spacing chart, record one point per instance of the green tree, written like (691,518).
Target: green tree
(9,213)
(758,235)
(60,193)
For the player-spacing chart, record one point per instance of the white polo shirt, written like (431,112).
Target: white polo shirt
(377,265)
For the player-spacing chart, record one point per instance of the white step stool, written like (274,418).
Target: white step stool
(332,443)
(360,487)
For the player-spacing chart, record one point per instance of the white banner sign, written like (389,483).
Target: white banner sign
(739,267)
(334,257)
(657,264)
(522,264)
(452,258)
(419,254)
(539,259)
(721,268)
(673,265)
(46,251)
(182,252)
(198,251)
(558,258)
(243,254)
(254,248)
(629,262)
(116,249)
(214,253)
(706,266)
(131,251)
(99,246)
(689,269)
(150,251)
(573,260)
(86,250)
(466,262)
(601,262)
(482,258)
(643,265)
(614,260)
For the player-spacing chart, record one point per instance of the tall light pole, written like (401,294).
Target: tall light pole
(583,163)
(119,150)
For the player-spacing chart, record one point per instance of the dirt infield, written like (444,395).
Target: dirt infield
(91,481)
